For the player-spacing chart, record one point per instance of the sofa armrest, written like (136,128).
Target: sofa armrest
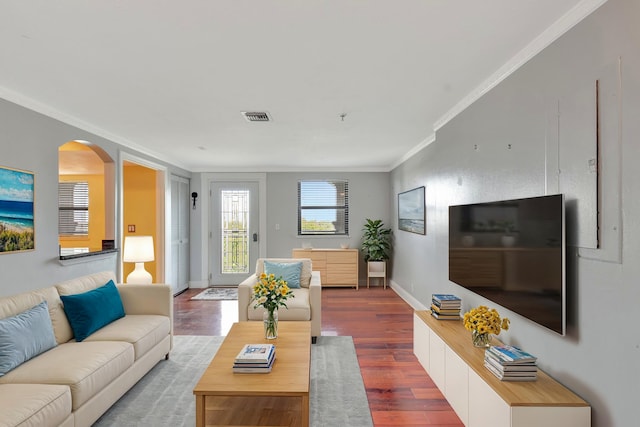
(245,294)
(315,301)
(315,279)
(147,299)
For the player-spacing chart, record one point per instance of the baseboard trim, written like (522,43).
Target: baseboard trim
(199,284)
(407,297)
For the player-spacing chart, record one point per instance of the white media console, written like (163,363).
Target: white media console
(444,349)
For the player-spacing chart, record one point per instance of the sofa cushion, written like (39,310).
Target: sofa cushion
(85,283)
(143,331)
(12,305)
(289,271)
(305,274)
(89,311)
(24,336)
(34,405)
(77,285)
(298,308)
(86,367)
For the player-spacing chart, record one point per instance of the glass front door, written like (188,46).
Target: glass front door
(234,243)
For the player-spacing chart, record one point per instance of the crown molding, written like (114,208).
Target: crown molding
(557,29)
(53,113)
(297,169)
(425,142)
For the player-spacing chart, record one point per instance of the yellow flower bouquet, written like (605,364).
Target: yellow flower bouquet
(271,293)
(483,321)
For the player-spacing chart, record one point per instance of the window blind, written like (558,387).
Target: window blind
(73,208)
(323,207)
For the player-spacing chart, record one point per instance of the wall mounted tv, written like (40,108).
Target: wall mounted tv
(512,252)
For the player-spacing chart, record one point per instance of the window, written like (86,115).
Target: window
(73,205)
(323,207)
(234,213)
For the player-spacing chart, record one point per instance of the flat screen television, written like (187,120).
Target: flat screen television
(512,252)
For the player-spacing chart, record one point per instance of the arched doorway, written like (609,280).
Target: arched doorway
(86,197)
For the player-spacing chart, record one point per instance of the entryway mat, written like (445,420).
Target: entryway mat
(217,294)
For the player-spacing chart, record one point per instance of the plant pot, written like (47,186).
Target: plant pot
(377,266)
(377,269)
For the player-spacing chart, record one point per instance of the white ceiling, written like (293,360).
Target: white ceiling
(171,78)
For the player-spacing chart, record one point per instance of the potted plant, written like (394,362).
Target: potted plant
(376,240)
(376,243)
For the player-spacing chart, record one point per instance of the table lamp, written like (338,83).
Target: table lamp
(138,249)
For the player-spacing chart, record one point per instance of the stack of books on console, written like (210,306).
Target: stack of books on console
(510,363)
(255,359)
(445,306)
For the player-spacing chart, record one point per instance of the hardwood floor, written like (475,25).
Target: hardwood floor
(399,391)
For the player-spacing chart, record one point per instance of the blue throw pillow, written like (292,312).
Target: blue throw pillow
(289,271)
(25,336)
(90,311)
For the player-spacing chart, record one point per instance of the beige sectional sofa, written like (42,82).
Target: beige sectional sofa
(74,383)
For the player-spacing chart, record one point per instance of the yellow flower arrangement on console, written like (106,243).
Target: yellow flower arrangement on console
(271,293)
(482,322)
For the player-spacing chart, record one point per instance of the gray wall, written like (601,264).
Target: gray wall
(29,141)
(542,111)
(369,197)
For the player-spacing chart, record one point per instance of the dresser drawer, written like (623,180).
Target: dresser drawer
(342,257)
(337,267)
(342,278)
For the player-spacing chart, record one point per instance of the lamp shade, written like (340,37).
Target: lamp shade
(138,249)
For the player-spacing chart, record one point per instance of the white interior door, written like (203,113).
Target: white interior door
(179,277)
(235,234)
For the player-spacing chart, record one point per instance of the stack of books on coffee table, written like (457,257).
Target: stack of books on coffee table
(445,306)
(510,363)
(255,359)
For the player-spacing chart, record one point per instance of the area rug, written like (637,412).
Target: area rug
(217,294)
(164,397)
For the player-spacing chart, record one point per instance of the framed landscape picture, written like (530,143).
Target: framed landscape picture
(411,211)
(16,210)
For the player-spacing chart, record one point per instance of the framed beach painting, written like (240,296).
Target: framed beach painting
(411,211)
(16,210)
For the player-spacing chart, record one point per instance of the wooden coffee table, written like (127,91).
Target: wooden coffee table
(279,398)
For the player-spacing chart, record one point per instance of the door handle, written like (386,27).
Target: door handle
(255,237)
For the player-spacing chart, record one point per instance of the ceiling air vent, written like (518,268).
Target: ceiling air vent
(253,116)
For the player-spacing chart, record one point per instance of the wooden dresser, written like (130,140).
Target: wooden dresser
(337,267)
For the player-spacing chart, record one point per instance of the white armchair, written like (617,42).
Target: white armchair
(306,305)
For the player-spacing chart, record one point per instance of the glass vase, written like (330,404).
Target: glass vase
(270,319)
(480,340)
